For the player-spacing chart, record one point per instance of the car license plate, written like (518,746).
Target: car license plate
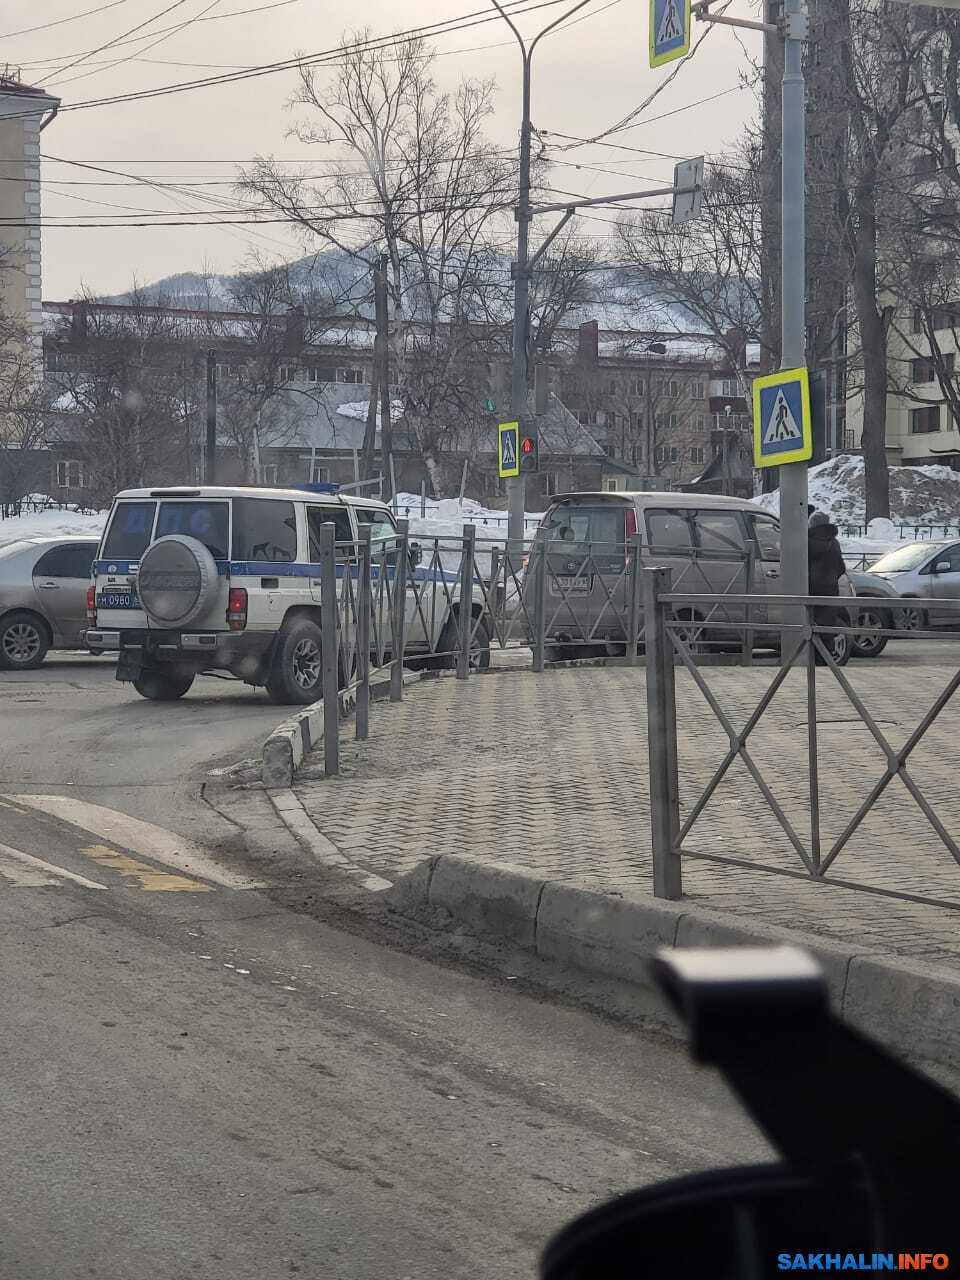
(118,599)
(573,585)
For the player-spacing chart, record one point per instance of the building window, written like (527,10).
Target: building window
(668,387)
(318,473)
(269,473)
(668,453)
(226,371)
(321,373)
(697,453)
(350,375)
(287,373)
(612,486)
(666,421)
(587,417)
(925,369)
(640,387)
(729,388)
(923,421)
(696,391)
(700,424)
(636,420)
(636,453)
(610,449)
(69,475)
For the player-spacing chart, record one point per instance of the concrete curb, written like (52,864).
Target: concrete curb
(285,748)
(912,1007)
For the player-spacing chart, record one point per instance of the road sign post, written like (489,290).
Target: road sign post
(669,30)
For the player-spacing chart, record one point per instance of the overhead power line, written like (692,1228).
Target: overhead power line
(45,26)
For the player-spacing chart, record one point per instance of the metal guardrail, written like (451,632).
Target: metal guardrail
(667,645)
(906,529)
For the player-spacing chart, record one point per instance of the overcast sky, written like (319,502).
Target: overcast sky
(585,78)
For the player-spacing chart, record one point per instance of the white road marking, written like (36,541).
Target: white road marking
(36,872)
(141,837)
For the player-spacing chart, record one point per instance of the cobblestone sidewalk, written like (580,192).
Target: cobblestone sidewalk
(550,772)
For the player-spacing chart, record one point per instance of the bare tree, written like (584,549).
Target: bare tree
(429,194)
(23,404)
(129,397)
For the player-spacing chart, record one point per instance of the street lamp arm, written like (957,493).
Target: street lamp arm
(556,22)
(510,23)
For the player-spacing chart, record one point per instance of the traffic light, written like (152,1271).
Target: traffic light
(530,450)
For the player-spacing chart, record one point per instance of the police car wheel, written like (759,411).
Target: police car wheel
(162,686)
(296,674)
(449,644)
(839,647)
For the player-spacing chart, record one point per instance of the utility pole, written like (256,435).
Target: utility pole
(793,322)
(383,367)
(210,453)
(517,485)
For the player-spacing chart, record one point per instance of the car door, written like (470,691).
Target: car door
(766,573)
(722,560)
(941,581)
(60,579)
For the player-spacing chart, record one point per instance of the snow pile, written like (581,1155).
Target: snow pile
(918,495)
(358,409)
(51,523)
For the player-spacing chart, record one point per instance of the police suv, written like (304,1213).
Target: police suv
(228,579)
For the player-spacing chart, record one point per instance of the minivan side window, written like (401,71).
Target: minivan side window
(264,529)
(130,529)
(668,530)
(720,531)
(767,533)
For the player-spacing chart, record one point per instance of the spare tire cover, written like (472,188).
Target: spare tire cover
(177,581)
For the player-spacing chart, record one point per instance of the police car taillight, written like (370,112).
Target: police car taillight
(237,608)
(92,605)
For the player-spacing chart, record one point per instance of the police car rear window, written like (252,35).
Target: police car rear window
(205,521)
(129,532)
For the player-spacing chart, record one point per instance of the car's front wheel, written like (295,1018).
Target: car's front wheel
(867,644)
(296,674)
(163,686)
(23,642)
(912,618)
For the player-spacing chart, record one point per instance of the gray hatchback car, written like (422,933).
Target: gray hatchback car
(43,597)
(919,570)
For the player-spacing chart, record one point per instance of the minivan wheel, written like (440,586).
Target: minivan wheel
(839,647)
(296,674)
(163,686)
(23,642)
(912,618)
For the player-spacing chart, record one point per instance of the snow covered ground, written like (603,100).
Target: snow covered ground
(54,523)
(918,495)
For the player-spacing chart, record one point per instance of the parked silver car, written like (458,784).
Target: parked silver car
(873,614)
(923,569)
(43,597)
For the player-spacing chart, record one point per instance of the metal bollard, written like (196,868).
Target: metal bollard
(662,738)
(399,611)
(364,609)
(541,570)
(636,600)
(330,653)
(465,616)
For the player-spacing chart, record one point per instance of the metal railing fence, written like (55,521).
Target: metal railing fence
(674,816)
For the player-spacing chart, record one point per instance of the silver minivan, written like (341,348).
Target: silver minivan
(713,545)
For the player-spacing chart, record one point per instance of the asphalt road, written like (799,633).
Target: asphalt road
(207,1085)
(71,728)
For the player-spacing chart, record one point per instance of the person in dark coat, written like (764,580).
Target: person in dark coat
(825,566)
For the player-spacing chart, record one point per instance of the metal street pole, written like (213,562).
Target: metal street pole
(517,485)
(793,475)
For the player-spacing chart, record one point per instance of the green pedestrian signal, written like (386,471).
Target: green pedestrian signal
(489,406)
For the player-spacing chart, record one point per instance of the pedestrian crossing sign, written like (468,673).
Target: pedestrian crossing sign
(669,30)
(508,449)
(782,429)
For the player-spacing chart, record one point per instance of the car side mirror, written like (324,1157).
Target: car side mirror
(942,566)
(414,554)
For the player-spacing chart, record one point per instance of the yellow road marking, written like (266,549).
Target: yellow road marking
(149,877)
